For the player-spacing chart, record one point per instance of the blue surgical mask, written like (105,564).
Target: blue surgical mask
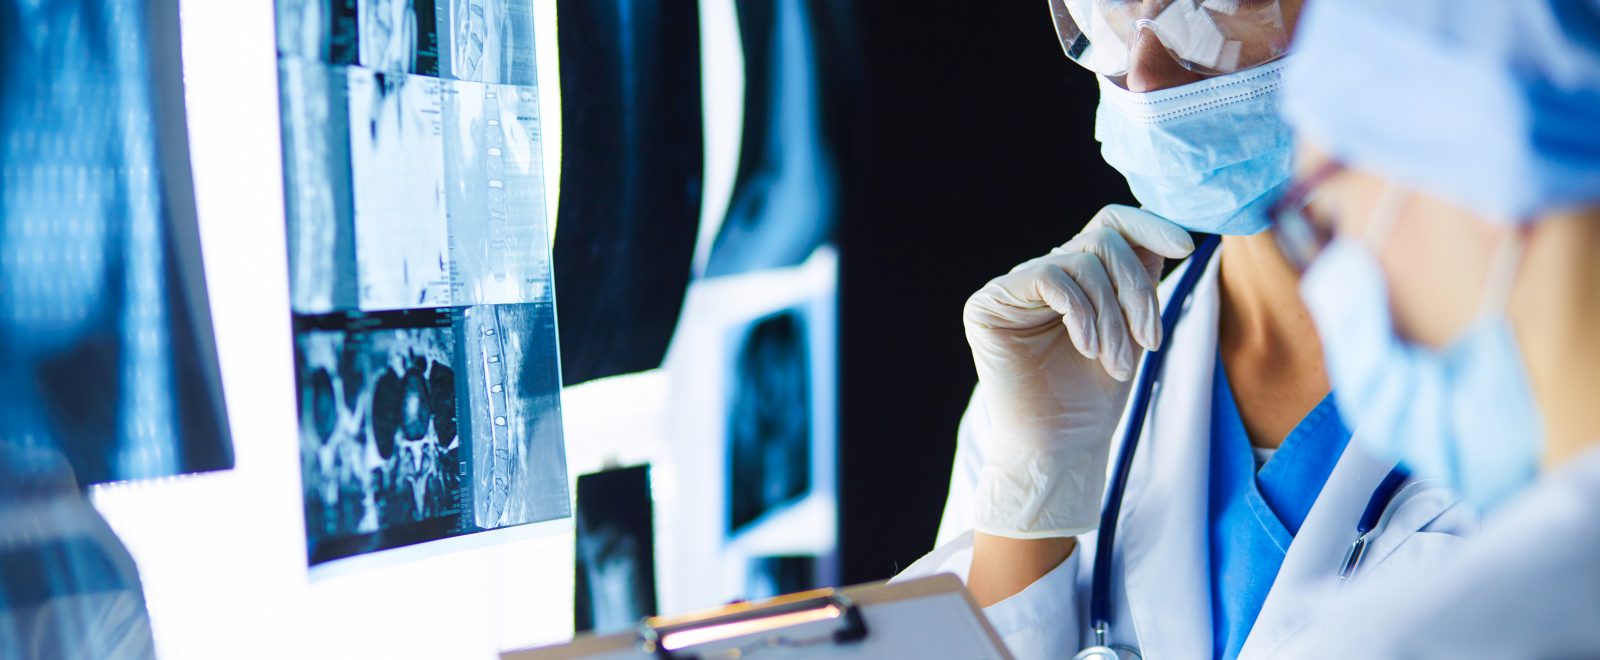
(1210,156)
(1465,413)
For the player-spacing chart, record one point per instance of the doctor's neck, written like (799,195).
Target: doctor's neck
(1267,340)
(1555,309)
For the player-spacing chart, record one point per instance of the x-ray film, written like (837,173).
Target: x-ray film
(107,352)
(784,199)
(420,276)
(631,197)
(614,585)
(769,420)
(771,577)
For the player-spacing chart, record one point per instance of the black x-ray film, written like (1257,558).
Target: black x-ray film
(420,272)
(631,181)
(615,578)
(769,419)
(109,354)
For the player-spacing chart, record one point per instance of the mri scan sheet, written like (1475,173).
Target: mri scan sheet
(397,157)
(487,41)
(479,40)
(494,194)
(420,280)
(422,424)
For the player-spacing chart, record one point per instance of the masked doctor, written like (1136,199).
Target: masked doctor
(1240,498)
(1449,213)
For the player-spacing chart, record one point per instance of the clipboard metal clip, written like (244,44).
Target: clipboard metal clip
(809,618)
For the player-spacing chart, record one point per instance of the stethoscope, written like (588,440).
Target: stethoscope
(1100,584)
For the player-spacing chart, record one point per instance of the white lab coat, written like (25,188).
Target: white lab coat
(1527,587)
(1161,572)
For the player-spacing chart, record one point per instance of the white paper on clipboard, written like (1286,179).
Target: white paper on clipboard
(933,617)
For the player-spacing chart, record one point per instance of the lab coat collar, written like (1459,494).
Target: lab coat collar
(1306,580)
(1164,511)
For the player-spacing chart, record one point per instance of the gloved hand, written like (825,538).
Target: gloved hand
(1055,345)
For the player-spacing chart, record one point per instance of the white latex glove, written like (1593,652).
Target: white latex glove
(1056,342)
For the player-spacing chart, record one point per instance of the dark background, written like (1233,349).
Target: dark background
(964,144)
(969,150)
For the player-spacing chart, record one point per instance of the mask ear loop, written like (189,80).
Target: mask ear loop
(1503,267)
(1384,216)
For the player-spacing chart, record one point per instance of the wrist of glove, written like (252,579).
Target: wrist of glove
(1041,494)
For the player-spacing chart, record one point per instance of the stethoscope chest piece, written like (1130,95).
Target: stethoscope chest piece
(1108,653)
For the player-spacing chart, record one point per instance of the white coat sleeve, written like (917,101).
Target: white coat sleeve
(1042,621)
(957,518)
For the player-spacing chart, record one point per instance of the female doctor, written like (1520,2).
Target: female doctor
(1451,225)
(1240,501)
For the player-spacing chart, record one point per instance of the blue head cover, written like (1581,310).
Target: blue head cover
(1493,105)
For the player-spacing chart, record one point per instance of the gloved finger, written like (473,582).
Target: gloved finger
(1116,345)
(1153,237)
(1062,293)
(1146,230)
(1035,297)
(1135,289)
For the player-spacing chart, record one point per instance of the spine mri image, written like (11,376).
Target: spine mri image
(420,279)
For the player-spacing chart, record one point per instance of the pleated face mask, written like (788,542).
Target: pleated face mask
(1210,156)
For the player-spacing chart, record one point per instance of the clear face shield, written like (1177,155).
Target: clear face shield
(1209,37)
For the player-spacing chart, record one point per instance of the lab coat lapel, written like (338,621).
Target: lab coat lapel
(1306,579)
(1162,537)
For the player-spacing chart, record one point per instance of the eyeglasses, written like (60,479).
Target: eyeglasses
(1300,235)
(1210,37)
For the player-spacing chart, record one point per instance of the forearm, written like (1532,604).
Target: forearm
(1002,567)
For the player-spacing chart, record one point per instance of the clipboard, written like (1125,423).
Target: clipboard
(932,617)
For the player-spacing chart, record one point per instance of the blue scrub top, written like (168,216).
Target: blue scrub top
(1254,515)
